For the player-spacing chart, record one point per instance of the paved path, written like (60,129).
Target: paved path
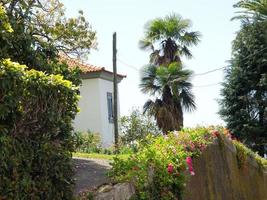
(90,173)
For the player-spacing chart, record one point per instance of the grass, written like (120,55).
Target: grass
(98,156)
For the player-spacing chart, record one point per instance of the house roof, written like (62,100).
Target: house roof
(87,69)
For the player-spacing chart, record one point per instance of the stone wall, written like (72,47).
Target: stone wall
(120,191)
(218,176)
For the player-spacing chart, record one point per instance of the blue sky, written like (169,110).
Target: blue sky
(127,17)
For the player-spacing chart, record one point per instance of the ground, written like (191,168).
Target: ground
(90,173)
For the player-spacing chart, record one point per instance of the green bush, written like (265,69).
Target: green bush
(36,111)
(136,127)
(88,142)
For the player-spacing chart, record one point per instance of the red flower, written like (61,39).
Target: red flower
(233,137)
(190,165)
(215,133)
(170,168)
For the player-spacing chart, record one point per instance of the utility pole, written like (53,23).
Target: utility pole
(115,91)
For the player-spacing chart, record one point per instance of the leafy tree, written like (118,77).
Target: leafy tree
(40,32)
(169,38)
(244,103)
(136,126)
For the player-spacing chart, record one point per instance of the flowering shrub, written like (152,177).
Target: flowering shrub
(161,166)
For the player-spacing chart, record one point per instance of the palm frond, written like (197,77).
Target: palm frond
(155,57)
(148,80)
(187,100)
(184,51)
(256,9)
(148,105)
(152,107)
(146,44)
(190,38)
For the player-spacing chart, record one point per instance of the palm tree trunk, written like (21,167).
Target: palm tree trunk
(173,112)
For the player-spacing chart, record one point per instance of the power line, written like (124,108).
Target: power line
(207,72)
(200,86)
(220,68)
(128,65)
(208,85)
(198,74)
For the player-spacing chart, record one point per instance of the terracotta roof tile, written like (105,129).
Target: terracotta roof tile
(84,67)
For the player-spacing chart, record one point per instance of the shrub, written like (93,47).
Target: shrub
(158,169)
(161,166)
(136,127)
(242,154)
(36,111)
(89,142)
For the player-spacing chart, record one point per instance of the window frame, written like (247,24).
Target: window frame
(110,107)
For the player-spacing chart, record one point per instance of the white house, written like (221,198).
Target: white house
(96,103)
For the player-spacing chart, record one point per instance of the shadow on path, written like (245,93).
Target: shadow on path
(90,173)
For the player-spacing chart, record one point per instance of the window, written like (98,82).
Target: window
(110,107)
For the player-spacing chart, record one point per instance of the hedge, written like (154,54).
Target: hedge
(36,112)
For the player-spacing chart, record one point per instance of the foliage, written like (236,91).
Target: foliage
(173,37)
(88,142)
(158,169)
(4,22)
(244,103)
(169,38)
(36,113)
(252,9)
(40,32)
(172,88)
(136,127)
(243,153)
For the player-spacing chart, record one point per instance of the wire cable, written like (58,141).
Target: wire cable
(126,64)
(207,72)
(208,85)
(198,74)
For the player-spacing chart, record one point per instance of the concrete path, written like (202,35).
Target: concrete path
(90,173)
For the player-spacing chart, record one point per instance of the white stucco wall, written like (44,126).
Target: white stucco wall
(93,106)
(107,127)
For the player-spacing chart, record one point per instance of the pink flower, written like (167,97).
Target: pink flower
(202,147)
(192,146)
(190,165)
(176,133)
(174,151)
(170,168)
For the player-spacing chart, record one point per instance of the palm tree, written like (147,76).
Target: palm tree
(253,9)
(169,38)
(172,90)
(172,37)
